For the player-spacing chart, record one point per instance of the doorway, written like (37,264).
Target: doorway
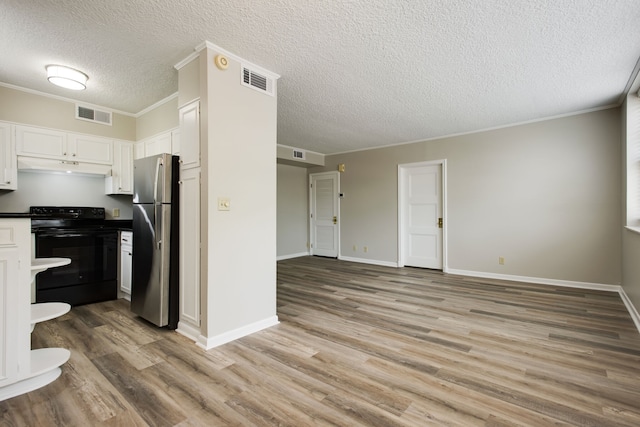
(324,214)
(422,214)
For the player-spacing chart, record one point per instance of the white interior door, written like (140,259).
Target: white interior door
(421,215)
(324,214)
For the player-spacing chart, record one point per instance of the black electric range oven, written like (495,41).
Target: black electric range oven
(83,235)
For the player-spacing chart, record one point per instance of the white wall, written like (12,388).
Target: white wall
(239,163)
(293,211)
(545,196)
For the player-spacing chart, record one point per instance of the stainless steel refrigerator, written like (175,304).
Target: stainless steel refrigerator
(154,288)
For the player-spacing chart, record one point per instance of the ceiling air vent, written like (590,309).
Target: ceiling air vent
(298,154)
(93,115)
(257,81)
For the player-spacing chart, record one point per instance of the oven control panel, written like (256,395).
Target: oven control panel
(67,212)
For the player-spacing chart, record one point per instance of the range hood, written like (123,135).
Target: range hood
(34,164)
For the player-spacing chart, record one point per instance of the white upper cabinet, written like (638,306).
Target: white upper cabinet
(190,135)
(121,179)
(158,145)
(45,143)
(93,149)
(53,144)
(8,159)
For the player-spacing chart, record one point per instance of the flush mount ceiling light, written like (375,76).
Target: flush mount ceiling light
(66,77)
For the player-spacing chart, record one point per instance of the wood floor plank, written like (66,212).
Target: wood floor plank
(357,345)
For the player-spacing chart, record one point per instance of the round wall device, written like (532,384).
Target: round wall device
(221,62)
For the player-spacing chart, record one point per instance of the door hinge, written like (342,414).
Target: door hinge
(439,222)
(311,215)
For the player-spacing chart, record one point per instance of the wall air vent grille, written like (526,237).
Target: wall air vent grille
(298,154)
(93,115)
(257,81)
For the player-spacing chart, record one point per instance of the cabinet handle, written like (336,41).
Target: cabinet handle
(74,154)
(180,182)
(129,253)
(180,161)
(64,154)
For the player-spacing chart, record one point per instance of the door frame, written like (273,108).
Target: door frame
(336,176)
(401,222)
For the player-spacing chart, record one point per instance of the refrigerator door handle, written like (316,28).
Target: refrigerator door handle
(157,198)
(157,225)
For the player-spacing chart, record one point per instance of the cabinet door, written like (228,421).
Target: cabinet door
(15,312)
(158,145)
(93,149)
(44,143)
(8,159)
(190,135)
(8,304)
(190,248)
(121,179)
(175,142)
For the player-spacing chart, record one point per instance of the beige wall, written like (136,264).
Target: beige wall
(37,110)
(293,211)
(630,239)
(545,196)
(160,119)
(240,163)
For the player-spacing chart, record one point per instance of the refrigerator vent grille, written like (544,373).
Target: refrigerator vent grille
(93,115)
(257,81)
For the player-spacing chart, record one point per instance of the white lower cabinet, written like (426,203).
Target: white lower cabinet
(189,323)
(126,259)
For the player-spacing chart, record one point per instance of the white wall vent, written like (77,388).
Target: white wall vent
(93,115)
(257,81)
(298,154)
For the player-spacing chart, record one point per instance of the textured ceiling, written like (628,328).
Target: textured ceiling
(355,74)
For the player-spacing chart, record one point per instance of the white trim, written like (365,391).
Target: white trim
(29,384)
(156,105)
(443,182)
(188,331)
(62,98)
(210,342)
(630,308)
(633,229)
(471,132)
(289,256)
(537,280)
(368,261)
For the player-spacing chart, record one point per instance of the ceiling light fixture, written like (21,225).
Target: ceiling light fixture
(67,77)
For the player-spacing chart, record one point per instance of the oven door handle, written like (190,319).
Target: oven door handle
(64,235)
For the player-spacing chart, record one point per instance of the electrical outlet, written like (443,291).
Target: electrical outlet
(365,249)
(501,260)
(116,212)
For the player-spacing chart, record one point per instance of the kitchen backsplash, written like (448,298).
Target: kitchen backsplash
(51,189)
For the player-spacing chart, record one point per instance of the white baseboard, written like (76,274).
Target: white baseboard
(188,331)
(368,261)
(298,255)
(630,308)
(210,342)
(538,280)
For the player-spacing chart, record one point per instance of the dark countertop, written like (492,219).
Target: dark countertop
(15,215)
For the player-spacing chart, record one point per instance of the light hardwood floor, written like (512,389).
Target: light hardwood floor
(357,345)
